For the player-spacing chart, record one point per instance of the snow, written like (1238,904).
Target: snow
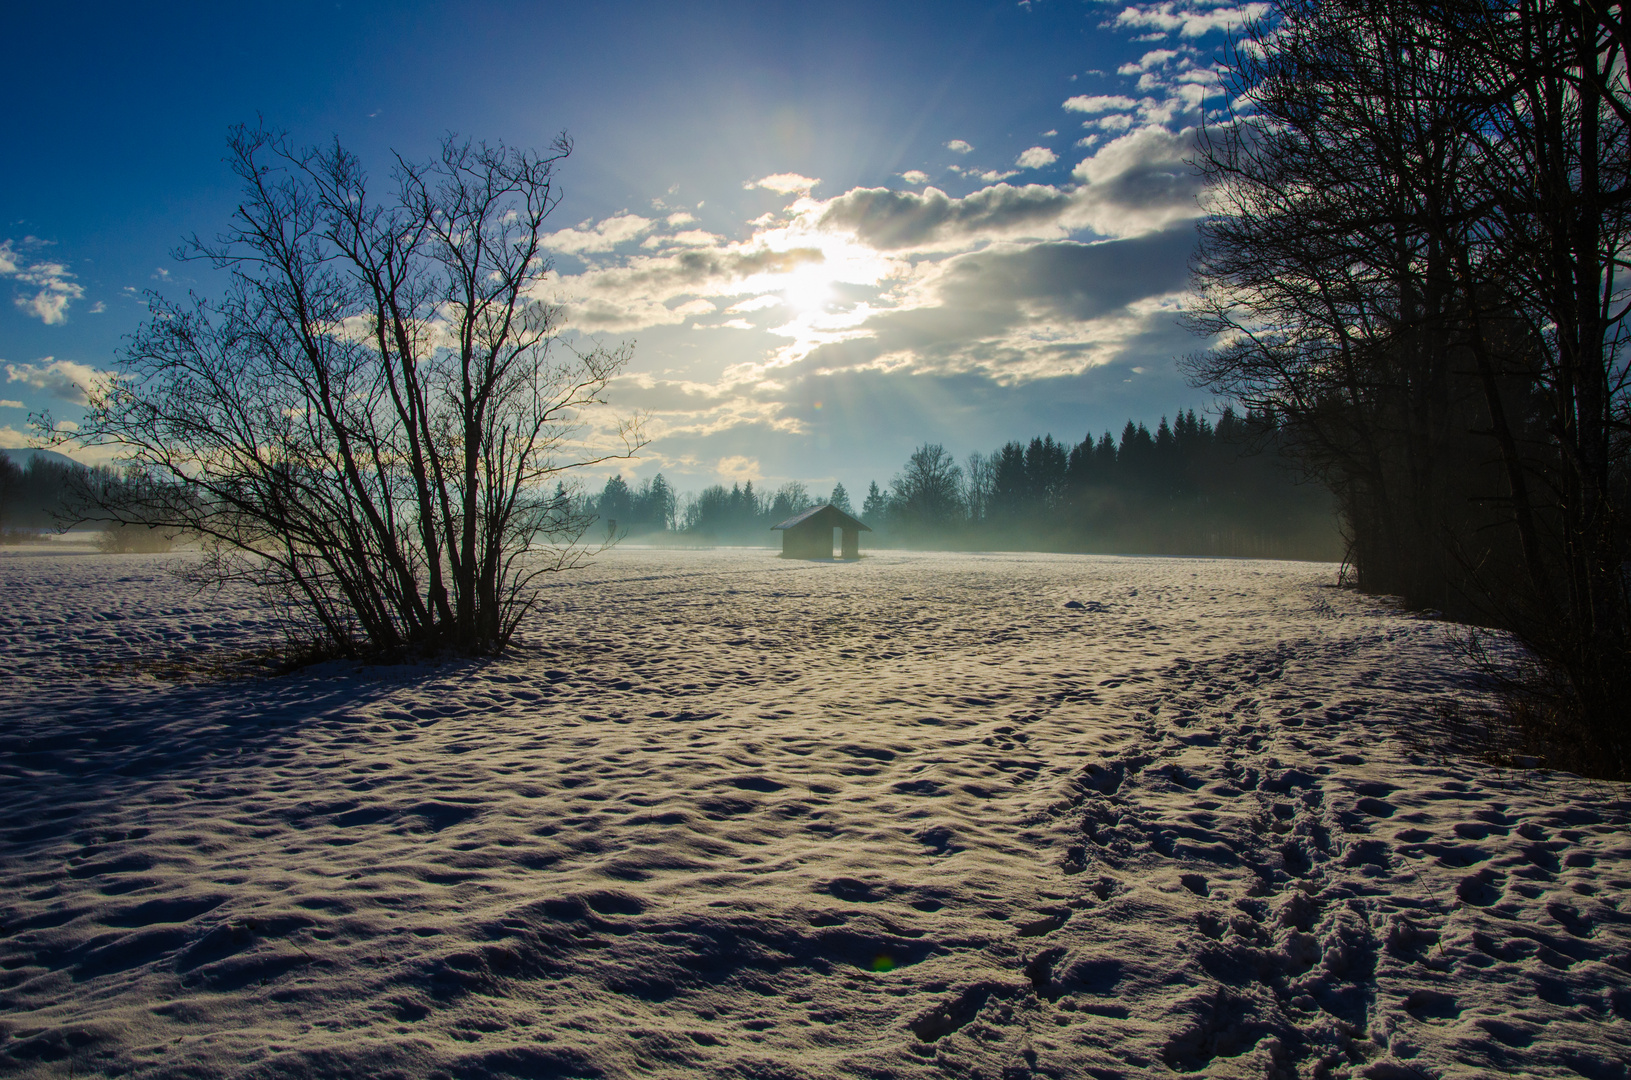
(722,814)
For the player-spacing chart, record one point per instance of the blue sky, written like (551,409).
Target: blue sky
(832,231)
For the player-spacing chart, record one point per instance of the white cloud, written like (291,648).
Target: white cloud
(758,303)
(696,307)
(890,220)
(644,391)
(739,468)
(1153,59)
(7,403)
(1192,95)
(1098,103)
(1135,184)
(615,230)
(1161,113)
(1187,20)
(688,238)
(680,217)
(684,408)
(11,437)
(1037,157)
(54,284)
(637,293)
(958,146)
(1018,312)
(1140,182)
(904,281)
(63,379)
(784,183)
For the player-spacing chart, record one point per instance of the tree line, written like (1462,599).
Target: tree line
(1188,488)
(31,494)
(1420,216)
(42,495)
(739,514)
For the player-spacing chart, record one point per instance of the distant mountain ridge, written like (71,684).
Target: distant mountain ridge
(21,455)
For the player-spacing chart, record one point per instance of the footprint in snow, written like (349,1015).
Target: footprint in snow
(1480,889)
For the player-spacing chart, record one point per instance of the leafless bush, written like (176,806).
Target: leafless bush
(374,420)
(1537,718)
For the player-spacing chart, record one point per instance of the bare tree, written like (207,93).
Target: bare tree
(1556,170)
(928,493)
(1328,265)
(1416,263)
(372,420)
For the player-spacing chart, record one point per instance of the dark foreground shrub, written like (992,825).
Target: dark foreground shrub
(1545,717)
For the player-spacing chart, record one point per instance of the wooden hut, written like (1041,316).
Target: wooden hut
(809,535)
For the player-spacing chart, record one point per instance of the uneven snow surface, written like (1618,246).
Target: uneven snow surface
(927,815)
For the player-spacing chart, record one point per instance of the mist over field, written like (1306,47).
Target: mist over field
(1187,489)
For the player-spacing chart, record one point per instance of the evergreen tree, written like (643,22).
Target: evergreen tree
(875,508)
(1046,466)
(654,506)
(1010,486)
(1104,455)
(615,503)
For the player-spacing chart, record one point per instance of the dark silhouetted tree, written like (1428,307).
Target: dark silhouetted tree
(371,418)
(875,508)
(1416,256)
(789,499)
(927,494)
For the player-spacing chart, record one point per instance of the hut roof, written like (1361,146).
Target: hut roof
(836,519)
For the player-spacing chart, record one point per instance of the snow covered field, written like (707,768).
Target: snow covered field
(927,815)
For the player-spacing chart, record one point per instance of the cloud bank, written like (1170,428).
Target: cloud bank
(1006,284)
(64,380)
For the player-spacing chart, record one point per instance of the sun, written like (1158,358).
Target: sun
(808,289)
